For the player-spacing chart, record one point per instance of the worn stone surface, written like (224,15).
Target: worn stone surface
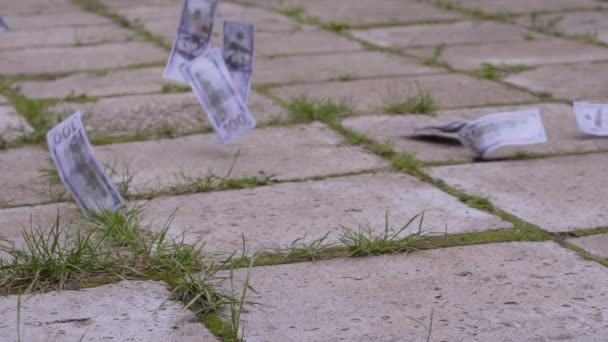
(36,6)
(67,36)
(591,24)
(288,152)
(508,292)
(12,125)
(532,52)
(525,6)
(137,81)
(334,66)
(373,95)
(431,35)
(585,81)
(65,59)
(283,213)
(550,193)
(45,20)
(126,311)
(3,100)
(141,113)
(559,121)
(302,41)
(21,180)
(594,244)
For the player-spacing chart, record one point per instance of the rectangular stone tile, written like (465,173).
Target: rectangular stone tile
(137,81)
(592,24)
(373,95)
(21,178)
(126,311)
(449,33)
(525,6)
(559,121)
(289,211)
(594,244)
(289,152)
(325,67)
(12,125)
(45,20)
(3,100)
(533,52)
(301,42)
(573,81)
(70,36)
(36,6)
(66,59)
(557,194)
(118,4)
(128,115)
(517,291)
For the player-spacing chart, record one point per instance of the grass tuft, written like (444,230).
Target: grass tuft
(304,110)
(498,71)
(336,26)
(422,103)
(172,88)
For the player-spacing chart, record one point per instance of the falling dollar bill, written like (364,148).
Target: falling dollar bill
(193,35)
(493,131)
(238,48)
(592,118)
(78,169)
(210,80)
(3,26)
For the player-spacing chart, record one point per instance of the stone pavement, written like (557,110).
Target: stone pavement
(512,249)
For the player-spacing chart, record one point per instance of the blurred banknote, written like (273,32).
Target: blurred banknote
(592,118)
(80,172)
(211,82)
(193,35)
(3,26)
(238,48)
(493,131)
(452,127)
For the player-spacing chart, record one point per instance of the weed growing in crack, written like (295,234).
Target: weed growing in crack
(172,88)
(304,110)
(498,71)
(435,60)
(335,26)
(364,242)
(422,103)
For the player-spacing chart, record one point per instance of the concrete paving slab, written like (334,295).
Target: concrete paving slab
(450,33)
(128,115)
(591,24)
(325,67)
(519,291)
(36,7)
(594,244)
(46,20)
(558,119)
(3,100)
(66,59)
(309,210)
(301,42)
(373,95)
(137,81)
(12,125)
(532,52)
(65,36)
(21,181)
(573,81)
(304,151)
(547,192)
(118,4)
(126,311)
(525,6)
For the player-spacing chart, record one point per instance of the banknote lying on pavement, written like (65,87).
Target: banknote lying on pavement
(493,131)
(211,82)
(3,25)
(452,127)
(193,35)
(237,50)
(592,118)
(78,169)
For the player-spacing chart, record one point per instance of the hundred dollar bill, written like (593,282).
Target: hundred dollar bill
(238,47)
(78,169)
(452,127)
(193,35)
(592,118)
(3,26)
(493,131)
(211,82)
